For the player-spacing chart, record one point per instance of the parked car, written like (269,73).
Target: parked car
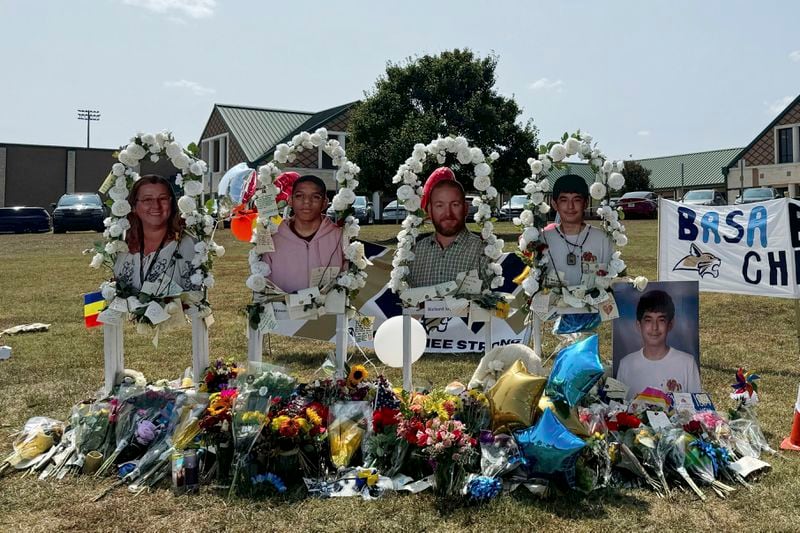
(513,207)
(639,203)
(757,194)
(704,197)
(79,212)
(393,212)
(363,211)
(24,220)
(471,209)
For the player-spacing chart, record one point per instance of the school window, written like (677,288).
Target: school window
(785,154)
(215,153)
(324,159)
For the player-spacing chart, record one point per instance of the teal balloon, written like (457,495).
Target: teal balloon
(548,447)
(576,323)
(576,370)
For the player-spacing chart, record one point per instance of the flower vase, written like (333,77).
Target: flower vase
(448,479)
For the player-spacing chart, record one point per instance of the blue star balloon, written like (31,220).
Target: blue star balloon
(576,370)
(549,447)
(576,323)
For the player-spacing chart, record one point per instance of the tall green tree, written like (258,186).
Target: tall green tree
(637,178)
(450,93)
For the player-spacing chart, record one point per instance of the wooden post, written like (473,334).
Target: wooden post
(536,330)
(113,355)
(255,344)
(199,348)
(341,344)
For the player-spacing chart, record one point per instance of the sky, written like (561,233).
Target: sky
(645,78)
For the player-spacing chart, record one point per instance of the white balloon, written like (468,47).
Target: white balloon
(388,341)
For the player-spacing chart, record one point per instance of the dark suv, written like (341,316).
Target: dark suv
(79,212)
(24,220)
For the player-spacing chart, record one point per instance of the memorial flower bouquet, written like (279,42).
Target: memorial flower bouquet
(451,450)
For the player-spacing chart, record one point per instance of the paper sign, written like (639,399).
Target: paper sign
(362,328)
(469,282)
(440,308)
(658,420)
(119,304)
(335,302)
(446,289)
(266,204)
(174,289)
(541,302)
(150,287)
(264,241)
(281,311)
(209,320)
(302,297)
(322,276)
(608,309)
(134,303)
(301,313)
(107,183)
(268,321)
(478,314)
(747,465)
(156,313)
(110,317)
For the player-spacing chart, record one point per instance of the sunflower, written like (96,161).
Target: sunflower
(357,374)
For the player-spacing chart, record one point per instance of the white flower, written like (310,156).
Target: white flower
(482,169)
(126,159)
(181,161)
(412,204)
(219,250)
(516,221)
(494,156)
(544,208)
(347,195)
(209,280)
(120,247)
(192,187)
(97,261)
(201,248)
(179,180)
(115,230)
(196,278)
(172,307)
(260,268)
(640,283)
(491,193)
(136,151)
(477,155)
(616,181)
(620,166)
(526,217)
(154,158)
(608,166)
(529,235)
(118,169)
(536,167)
(404,192)
(481,183)
(464,156)
(572,146)
(186,204)
(174,149)
(544,185)
(492,252)
(597,190)
(558,152)
(338,203)
(620,239)
(198,168)
(120,208)
(118,193)
(585,149)
(256,283)
(537,197)
(109,291)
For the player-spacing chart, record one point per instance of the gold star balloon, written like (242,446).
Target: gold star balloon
(514,398)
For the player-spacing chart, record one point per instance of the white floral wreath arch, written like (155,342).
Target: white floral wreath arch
(198,224)
(409,196)
(352,279)
(532,249)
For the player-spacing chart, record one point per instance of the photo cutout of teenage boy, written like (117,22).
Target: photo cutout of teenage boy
(656,340)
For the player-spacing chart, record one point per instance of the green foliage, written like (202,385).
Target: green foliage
(637,178)
(449,93)
(193,149)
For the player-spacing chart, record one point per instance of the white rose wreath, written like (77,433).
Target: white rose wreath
(198,224)
(352,279)
(532,248)
(409,195)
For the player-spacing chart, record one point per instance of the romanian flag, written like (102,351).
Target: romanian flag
(93,304)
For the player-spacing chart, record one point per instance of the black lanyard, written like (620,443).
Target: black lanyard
(142,274)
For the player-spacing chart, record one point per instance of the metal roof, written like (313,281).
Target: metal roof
(259,130)
(699,168)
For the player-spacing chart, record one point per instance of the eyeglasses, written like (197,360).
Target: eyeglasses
(311,198)
(151,201)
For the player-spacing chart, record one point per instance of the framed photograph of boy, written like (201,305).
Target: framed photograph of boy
(656,339)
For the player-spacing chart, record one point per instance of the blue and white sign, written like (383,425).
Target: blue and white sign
(745,249)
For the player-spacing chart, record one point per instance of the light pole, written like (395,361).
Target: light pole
(88,115)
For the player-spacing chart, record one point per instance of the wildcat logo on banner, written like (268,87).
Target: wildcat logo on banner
(445,335)
(745,249)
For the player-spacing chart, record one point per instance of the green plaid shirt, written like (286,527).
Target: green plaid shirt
(433,264)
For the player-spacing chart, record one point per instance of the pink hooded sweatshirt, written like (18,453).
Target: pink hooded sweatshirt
(294,258)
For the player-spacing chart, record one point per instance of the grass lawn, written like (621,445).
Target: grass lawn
(42,278)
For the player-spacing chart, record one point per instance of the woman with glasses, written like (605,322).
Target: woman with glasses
(158,252)
(308,246)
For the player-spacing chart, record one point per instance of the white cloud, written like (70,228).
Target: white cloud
(193,86)
(193,8)
(643,133)
(546,84)
(795,56)
(776,106)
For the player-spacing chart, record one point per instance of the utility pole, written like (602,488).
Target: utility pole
(88,115)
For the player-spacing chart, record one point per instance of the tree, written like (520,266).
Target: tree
(193,149)
(637,178)
(449,93)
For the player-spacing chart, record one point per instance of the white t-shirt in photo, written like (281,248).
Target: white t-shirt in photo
(590,239)
(676,372)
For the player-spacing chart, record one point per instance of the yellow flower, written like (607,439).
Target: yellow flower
(277,421)
(302,422)
(313,417)
(358,373)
